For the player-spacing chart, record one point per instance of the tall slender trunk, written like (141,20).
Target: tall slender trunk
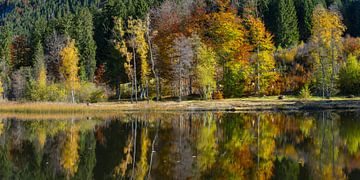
(332,63)
(134,150)
(257,73)
(153,148)
(135,78)
(322,68)
(132,90)
(153,67)
(180,77)
(190,85)
(73,96)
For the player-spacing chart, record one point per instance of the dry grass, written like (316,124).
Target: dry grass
(115,107)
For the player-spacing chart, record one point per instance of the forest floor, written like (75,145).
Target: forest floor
(239,104)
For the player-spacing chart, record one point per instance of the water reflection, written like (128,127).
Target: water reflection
(293,145)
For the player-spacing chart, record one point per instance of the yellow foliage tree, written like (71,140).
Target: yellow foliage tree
(137,30)
(205,69)
(121,46)
(327,38)
(262,64)
(226,34)
(69,67)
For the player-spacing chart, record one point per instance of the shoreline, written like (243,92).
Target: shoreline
(230,105)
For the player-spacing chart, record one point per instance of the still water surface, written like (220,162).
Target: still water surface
(206,145)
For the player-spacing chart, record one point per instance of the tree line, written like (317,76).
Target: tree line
(89,51)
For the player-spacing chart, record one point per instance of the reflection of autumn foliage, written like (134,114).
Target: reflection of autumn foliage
(120,170)
(206,144)
(70,151)
(100,135)
(142,166)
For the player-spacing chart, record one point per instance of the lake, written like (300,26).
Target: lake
(179,145)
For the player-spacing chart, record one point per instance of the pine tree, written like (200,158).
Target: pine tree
(287,32)
(305,10)
(5,58)
(352,17)
(85,43)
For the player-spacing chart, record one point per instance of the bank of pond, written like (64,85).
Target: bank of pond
(181,145)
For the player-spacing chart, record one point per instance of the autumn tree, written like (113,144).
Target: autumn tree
(227,36)
(205,66)
(120,42)
(152,50)
(182,56)
(262,63)
(39,89)
(69,67)
(326,36)
(349,76)
(133,37)
(136,30)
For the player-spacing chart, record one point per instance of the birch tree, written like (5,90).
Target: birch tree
(152,58)
(182,57)
(69,67)
(327,40)
(121,45)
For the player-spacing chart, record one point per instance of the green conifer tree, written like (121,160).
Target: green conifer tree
(287,32)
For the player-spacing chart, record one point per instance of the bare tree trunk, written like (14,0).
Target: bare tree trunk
(180,83)
(190,85)
(147,91)
(118,90)
(132,91)
(257,73)
(134,150)
(135,78)
(153,148)
(153,66)
(73,96)
(322,68)
(332,63)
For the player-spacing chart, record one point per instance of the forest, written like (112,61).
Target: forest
(100,50)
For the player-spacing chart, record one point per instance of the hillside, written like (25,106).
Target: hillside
(97,50)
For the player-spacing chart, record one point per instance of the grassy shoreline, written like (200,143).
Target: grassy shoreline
(243,104)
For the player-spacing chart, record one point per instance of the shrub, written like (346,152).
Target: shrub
(218,95)
(305,92)
(98,96)
(350,77)
(89,92)
(56,92)
(53,92)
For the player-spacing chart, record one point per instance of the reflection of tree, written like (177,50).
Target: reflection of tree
(5,162)
(206,144)
(120,170)
(1,127)
(350,132)
(286,169)
(266,134)
(325,154)
(70,151)
(88,158)
(142,166)
(236,159)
